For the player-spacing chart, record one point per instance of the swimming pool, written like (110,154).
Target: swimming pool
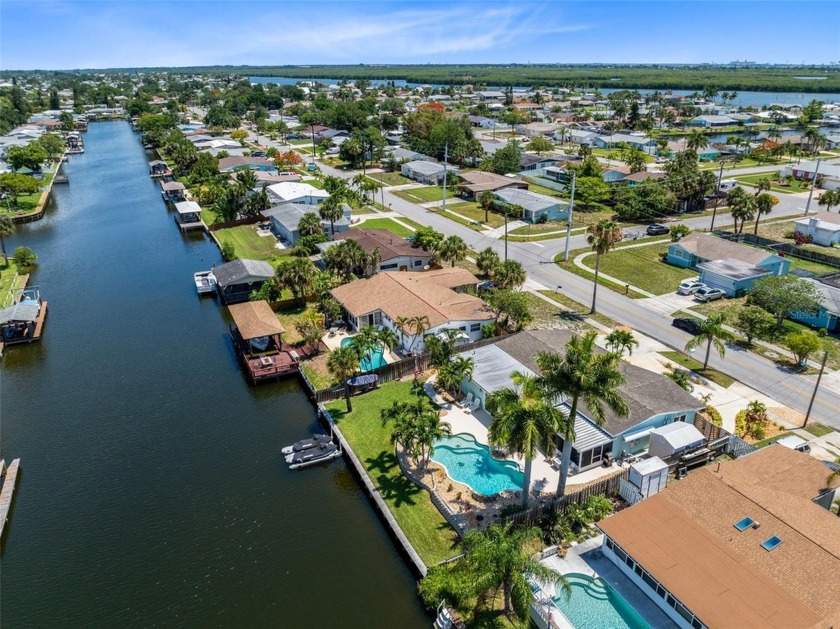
(469,462)
(593,604)
(373,359)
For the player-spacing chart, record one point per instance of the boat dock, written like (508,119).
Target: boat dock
(8,490)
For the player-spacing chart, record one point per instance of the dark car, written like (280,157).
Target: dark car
(689,325)
(657,230)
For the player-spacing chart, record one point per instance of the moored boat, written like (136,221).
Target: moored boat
(313,456)
(305,444)
(205,282)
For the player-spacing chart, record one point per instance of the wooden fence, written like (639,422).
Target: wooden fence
(251,220)
(607,487)
(783,247)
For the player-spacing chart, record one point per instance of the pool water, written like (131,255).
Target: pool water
(593,604)
(373,359)
(469,462)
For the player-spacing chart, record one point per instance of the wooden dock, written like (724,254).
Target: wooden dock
(6,493)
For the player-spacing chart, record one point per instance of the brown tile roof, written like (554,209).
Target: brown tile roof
(479,181)
(235,161)
(415,294)
(686,539)
(711,247)
(642,175)
(254,319)
(389,245)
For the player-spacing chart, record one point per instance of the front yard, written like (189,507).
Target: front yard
(26,203)
(697,367)
(424,194)
(796,185)
(385,223)
(474,212)
(390,179)
(427,530)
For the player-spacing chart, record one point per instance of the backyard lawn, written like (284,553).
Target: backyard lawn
(427,530)
(385,223)
(8,284)
(247,243)
(390,179)
(424,194)
(642,267)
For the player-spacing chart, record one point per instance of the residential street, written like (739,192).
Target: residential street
(787,388)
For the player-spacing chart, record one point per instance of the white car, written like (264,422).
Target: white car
(689,287)
(708,294)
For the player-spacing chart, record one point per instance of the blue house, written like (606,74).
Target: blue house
(828,316)
(653,399)
(534,205)
(724,264)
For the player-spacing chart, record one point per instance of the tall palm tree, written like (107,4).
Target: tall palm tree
(403,325)
(603,236)
(829,198)
(416,427)
(452,249)
(331,210)
(259,202)
(696,140)
(582,374)
(525,421)
(387,337)
(487,261)
(621,339)
(712,333)
(342,364)
(485,201)
(246,180)
(310,224)
(418,326)
(742,207)
(764,204)
(344,258)
(7,228)
(762,185)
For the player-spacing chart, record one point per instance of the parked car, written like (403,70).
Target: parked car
(708,294)
(657,230)
(257,153)
(689,325)
(689,287)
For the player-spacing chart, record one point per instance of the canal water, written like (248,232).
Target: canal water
(153,491)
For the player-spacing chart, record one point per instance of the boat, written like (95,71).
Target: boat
(205,282)
(313,456)
(306,444)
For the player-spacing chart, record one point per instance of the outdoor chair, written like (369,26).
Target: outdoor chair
(465,403)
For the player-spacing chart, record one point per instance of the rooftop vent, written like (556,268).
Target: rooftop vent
(771,543)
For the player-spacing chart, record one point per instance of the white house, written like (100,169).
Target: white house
(295,192)
(713,121)
(425,172)
(823,228)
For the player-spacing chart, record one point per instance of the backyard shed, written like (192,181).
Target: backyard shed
(674,439)
(649,476)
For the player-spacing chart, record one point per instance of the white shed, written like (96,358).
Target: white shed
(674,439)
(649,476)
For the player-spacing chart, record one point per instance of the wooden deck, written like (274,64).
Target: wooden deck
(9,483)
(191,225)
(274,364)
(33,332)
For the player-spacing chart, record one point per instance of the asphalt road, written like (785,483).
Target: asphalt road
(787,388)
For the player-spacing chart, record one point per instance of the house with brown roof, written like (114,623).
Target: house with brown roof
(744,543)
(395,253)
(474,182)
(723,264)
(440,296)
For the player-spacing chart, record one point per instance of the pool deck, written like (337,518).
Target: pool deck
(587,558)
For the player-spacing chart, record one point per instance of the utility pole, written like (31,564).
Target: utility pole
(816,386)
(506,235)
(445,158)
(717,197)
(813,185)
(569,224)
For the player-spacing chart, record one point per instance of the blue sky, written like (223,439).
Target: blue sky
(97,34)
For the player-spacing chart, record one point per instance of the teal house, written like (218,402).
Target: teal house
(828,316)
(723,264)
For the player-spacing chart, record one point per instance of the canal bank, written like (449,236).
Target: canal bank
(154,489)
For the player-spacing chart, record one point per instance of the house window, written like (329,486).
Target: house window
(475,327)
(387,267)
(418,263)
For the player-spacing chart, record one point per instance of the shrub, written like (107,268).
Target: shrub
(802,239)
(228,252)
(24,257)
(488,330)
(714,415)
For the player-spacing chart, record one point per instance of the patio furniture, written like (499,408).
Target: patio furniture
(467,401)
(333,331)
(295,356)
(475,404)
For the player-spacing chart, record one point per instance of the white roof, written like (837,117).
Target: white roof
(679,434)
(646,467)
(291,191)
(791,441)
(188,207)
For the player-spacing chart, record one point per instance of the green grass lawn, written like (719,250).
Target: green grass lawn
(773,439)
(390,179)
(7,284)
(696,366)
(28,202)
(616,155)
(247,243)
(427,530)
(577,311)
(474,212)
(424,194)
(534,186)
(642,267)
(385,223)
(795,186)
(541,228)
(818,430)
(590,275)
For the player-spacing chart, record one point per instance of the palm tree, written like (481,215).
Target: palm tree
(485,201)
(452,249)
(417,427)
(342,364)
(815,139)
(712,333)
(602,238)
(7,228)
(764,204)
(762,185)
(331,210)
(582,374)
(621,339)
(403,325)
(742,207)
(387,337)
(453,373)
(441,346)
(310,224)
(829,198)
(297,275)
(345,257)
(487,261)
(259,202)
(696,140)
(246,180)
(509,274)
(524,421)
(418,325)
(680,376)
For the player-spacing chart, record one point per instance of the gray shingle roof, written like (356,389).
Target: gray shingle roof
(528,200)
(710,247)
(238,270)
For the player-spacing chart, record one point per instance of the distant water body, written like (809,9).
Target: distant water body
(153,490)
(745,99)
